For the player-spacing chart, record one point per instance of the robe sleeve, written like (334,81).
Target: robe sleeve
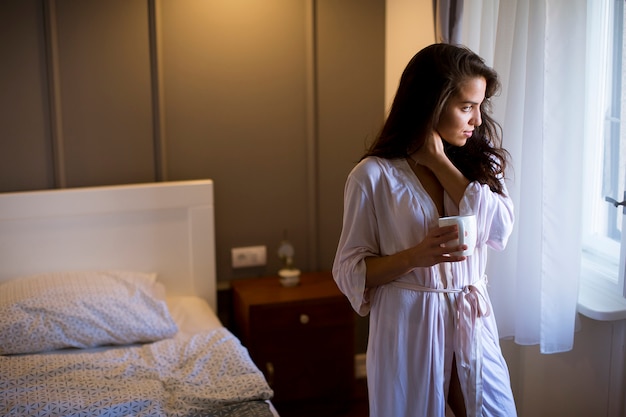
(359,240)
(494,214)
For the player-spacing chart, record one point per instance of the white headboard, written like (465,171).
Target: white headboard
(167,228)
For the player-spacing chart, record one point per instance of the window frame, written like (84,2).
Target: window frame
(604,253)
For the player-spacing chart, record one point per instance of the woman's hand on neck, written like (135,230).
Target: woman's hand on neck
(432,156)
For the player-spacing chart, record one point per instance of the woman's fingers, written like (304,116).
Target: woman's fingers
(444,235)
(433,250)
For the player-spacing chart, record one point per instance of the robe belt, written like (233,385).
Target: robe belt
(470,305)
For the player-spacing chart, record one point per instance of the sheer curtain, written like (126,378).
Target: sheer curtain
(538,49)
(448,20)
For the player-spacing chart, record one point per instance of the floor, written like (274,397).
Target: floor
(358,406)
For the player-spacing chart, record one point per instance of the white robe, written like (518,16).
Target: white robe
(415,331)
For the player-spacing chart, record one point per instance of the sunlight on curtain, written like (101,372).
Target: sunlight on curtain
(538,49)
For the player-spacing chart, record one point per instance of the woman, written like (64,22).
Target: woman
(432,338)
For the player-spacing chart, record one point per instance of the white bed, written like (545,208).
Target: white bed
(107,306)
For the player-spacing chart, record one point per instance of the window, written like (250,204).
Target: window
(604,220)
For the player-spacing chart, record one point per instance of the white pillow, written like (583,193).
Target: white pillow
(81,309)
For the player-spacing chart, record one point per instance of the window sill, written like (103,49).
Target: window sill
(599,303)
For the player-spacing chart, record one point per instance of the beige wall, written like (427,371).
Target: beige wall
(409,27)
(586,381)
(271,99)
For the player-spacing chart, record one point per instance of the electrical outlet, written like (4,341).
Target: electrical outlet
(249,256)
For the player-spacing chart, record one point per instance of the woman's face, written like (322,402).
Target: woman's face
(462,112)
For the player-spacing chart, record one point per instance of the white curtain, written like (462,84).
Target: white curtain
(538,49)
(448,20)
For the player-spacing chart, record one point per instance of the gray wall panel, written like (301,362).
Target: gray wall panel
(105,91)
(25,149)
(351,56)
(233,86)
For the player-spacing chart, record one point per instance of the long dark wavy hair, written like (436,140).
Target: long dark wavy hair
(433,76)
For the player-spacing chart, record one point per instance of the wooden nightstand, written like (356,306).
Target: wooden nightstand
(301,337)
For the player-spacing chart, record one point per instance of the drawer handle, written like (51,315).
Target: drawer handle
(304,318)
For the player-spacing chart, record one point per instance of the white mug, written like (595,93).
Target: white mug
(467,232)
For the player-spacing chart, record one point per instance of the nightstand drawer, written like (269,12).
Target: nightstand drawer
(325,344)
(321,367)
(300,316)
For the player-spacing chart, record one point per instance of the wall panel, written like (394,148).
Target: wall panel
(350,65)
(25,152)
(233,75)
(105,91)
(350,93)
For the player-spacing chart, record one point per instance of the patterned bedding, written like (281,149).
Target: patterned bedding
(206,374)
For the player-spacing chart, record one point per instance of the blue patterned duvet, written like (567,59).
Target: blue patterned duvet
(208,374)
